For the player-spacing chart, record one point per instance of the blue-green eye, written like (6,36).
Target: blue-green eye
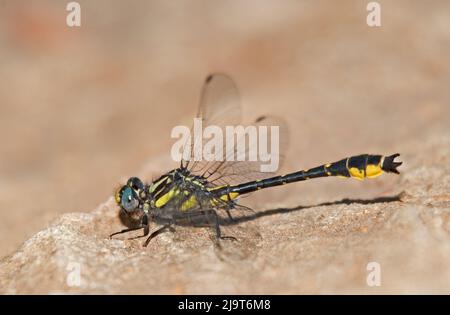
(129,201)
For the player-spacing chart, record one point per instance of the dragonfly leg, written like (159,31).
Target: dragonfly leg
(205,218)
(229,215)
(219,235)
(159,231)
(146,231)
(127,230)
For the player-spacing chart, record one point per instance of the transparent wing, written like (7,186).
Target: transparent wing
(220,108)
(220,102)
(270,141)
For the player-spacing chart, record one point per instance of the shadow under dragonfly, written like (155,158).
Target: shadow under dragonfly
(345,201)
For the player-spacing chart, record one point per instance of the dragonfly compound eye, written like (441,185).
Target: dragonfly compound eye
(129,200)
(135,183)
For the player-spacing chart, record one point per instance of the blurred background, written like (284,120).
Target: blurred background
(83,108)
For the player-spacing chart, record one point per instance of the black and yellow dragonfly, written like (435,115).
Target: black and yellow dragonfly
(205,193)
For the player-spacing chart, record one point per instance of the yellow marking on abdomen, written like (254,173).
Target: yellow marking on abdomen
(229,196)
(326,169)
(356,173)
(373,171)
(215,188)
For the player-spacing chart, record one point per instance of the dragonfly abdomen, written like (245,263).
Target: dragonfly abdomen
(358,167)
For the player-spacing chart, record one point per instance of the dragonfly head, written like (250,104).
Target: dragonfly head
(131,196)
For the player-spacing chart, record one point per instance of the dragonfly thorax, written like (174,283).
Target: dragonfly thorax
(181,190)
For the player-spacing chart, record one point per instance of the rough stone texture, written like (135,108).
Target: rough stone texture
(83,109)
(316,249)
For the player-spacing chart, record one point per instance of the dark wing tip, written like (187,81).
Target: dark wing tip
(218,75)
(260,118)
(209,78)
(389,165)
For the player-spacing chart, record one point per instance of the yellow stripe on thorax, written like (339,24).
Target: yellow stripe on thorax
(156,184)
(189,204)
(164,199)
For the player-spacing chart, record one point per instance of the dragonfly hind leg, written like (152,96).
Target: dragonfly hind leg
(232,219)
(218,231)
(203,218)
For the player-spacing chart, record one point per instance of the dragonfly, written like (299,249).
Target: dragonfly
(204,193)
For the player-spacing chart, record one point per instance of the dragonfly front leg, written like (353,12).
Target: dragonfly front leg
(127,230)
(143,225)
(159,231)
(146,231)
(219,232)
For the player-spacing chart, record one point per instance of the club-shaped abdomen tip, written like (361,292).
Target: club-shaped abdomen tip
(390,165)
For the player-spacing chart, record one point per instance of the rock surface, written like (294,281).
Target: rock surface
(317,249)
